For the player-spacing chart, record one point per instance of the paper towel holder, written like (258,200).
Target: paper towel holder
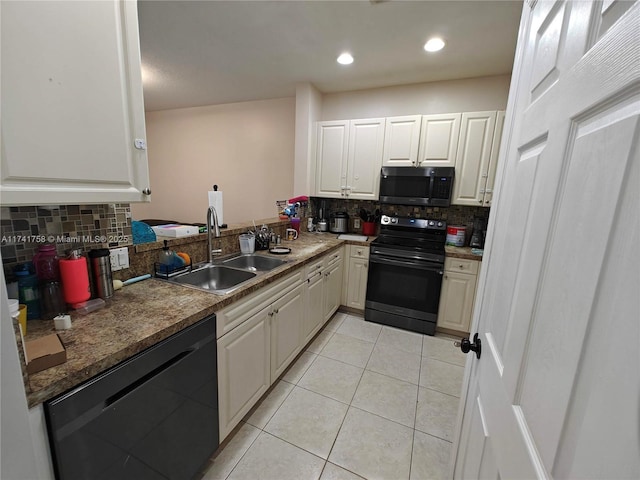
(215,189)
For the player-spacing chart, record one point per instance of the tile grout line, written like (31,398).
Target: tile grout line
(415,417)
(350,406)
(245,452)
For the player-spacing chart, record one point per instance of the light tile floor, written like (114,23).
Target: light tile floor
(363,401)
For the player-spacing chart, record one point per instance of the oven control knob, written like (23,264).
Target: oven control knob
(394,220)
(440,224)
(431,223)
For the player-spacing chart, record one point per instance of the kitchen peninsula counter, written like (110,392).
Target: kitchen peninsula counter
(145,313)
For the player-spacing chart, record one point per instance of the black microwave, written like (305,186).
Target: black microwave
(420,186)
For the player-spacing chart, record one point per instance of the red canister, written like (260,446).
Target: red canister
(75,278)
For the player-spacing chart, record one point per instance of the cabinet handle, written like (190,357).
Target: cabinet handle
(276,311)
(270,314)
(146,191)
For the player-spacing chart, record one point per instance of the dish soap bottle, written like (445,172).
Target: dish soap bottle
(169,260)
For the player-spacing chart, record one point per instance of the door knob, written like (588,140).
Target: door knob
(465,345)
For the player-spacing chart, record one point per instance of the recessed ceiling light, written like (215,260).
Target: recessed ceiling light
(434,44)
(345,59)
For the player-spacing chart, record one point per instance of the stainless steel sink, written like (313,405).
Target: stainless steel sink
(254,262)
(214,278)
(227,274)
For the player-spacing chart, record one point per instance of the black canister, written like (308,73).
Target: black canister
(101,272)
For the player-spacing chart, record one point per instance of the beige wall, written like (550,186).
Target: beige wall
(467,95)
(246,148)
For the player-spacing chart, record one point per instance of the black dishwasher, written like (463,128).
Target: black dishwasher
(153,416)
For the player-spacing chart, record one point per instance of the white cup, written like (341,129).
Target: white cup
(247,243)
(291,233)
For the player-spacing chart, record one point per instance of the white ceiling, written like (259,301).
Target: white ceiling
(212,52)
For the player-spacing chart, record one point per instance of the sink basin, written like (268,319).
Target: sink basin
(254,262)
(215,278)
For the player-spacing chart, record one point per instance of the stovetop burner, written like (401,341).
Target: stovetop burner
(413,237)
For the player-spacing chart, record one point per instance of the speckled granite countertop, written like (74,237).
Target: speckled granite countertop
(142,314)
(461,252)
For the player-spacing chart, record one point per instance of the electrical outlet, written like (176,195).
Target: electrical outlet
(119,258)
(356,223)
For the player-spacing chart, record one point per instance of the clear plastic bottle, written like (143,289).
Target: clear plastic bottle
(28,291)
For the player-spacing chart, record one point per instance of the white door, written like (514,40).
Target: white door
(555,392)
(72,104)
(286,330)
(439,140)
(493,161)
(366,139)
(472,159)
(331,159)
(401,140)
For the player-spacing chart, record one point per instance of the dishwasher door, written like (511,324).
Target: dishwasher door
(153,416)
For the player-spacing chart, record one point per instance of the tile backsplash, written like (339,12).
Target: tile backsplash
(23,229)
(453,215)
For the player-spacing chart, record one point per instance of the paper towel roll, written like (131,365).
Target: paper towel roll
(215,201)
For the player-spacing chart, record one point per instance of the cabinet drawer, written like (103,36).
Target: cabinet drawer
(357,251)
(312,269)
(238,312)
(461,265)
(333,257)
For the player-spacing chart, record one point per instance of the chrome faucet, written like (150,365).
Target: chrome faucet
(211,214)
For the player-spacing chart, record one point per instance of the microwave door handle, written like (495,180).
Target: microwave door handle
(432,184)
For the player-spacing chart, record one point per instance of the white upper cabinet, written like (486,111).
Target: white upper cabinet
(349,158)
(401,140)
(331,158)
(439,140)
(72,104)
(493,162)
(366,140)
(473,156)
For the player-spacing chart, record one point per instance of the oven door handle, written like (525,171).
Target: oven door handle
(407,263)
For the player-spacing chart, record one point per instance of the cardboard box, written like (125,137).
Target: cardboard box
(174,230)
(44,352)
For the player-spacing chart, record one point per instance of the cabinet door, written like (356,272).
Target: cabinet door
(357,282)
(287,319)
(366,139)
(331,159)
(401,140)
(439,140)
(472,160)
(243,369)
(493,162)
(72,104)
(333,289)
(314,308)
(456,301)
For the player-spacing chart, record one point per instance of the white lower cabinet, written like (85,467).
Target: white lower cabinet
(458,294)
(314,300)
(286,320)
(260,335)
(355,277)
(257,337)
(333,283)
(244,372)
